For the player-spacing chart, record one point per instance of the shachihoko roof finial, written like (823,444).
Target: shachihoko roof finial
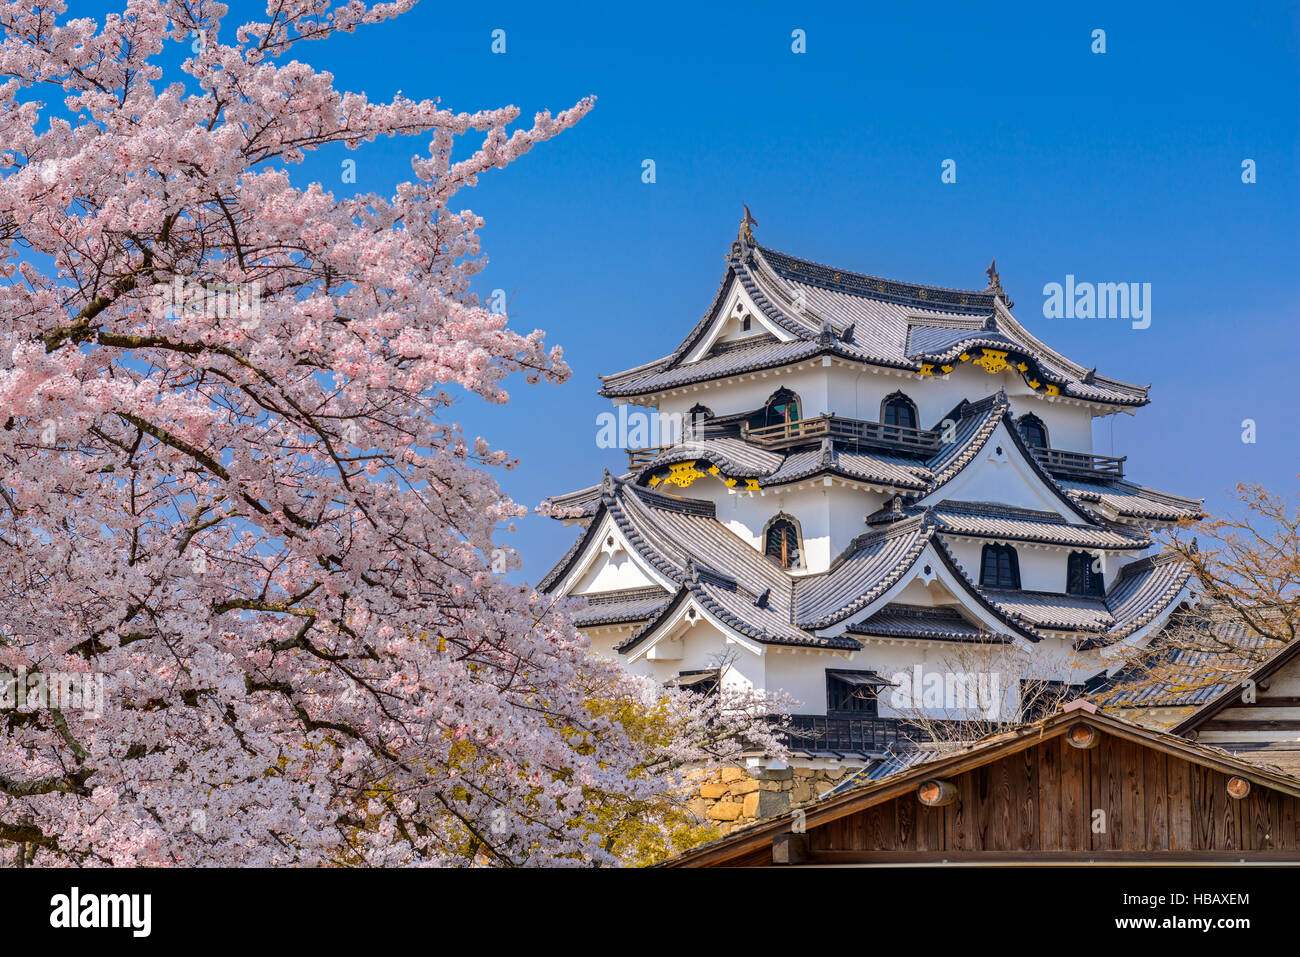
(747,225)
(995,283)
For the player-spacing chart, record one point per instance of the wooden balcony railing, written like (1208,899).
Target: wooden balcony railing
(1082,464)
(877,434)
(639,458)
(893,438)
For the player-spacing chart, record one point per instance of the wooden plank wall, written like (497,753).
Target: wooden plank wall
(1044,800)
(1273,718)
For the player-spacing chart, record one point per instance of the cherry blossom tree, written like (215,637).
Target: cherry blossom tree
(229,491)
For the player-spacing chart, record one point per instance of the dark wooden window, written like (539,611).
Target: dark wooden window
(1033,431)
(783,406)
(782,542)
(744,323)
(1038,699)
(696,416)
(1083,575)
(898,409)
(703,682)
(999,567)
(851,692)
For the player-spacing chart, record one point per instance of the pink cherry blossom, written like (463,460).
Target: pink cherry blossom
(254,521)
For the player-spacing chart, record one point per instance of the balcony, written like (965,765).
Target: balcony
(638,459)
(819,732)
(1080,464)
(892,438)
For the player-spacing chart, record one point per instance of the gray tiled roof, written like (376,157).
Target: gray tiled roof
(1144,589)
(584,501)
(736,458)
(723,572)
(1133,501)
(1052,610)
(893,324)
(919,621)
(1172,677)
(683,540)
(1004,523)
(871,467)
(765,355)
(939,341)
(883,767)
(976,422)
(621,607)
(873,564)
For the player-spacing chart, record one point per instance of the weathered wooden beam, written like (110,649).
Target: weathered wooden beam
(833,858)
(790,849)
(1238,787)
(1252,724)
(936,793)
(1082,736)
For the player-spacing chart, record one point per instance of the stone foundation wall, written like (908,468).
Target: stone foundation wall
(734,798)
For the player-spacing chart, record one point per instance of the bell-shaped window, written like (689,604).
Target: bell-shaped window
(1033,431)
(999,567)
(898,409)
(1083,575)
(782,407)
(781,541)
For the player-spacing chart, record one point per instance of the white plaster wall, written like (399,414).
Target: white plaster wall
(603,638)
(829,516)
(611,573)
(1003,477)
(1042,568)
(857,393)
(803,675)
(704,647)
(809,383)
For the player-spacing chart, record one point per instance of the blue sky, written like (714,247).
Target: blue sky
(1122,166)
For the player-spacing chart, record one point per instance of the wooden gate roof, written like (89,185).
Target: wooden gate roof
(751,846)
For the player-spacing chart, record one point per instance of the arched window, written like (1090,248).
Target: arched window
(694,426)
(745,322)
(1083,575)
(898,409)
(1033,431)
(781,541)
(782,407)
(999,567)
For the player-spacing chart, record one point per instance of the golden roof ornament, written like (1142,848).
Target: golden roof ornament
(995,283)
(747,225)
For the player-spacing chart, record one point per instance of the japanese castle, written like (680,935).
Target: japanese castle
(878,483)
